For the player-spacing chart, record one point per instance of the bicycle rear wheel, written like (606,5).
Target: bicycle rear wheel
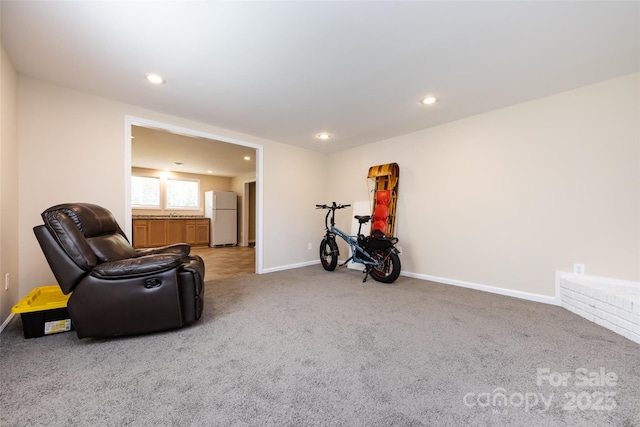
(389,268)
(329,254)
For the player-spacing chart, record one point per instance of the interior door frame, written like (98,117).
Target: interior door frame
(245,211)
(138,121)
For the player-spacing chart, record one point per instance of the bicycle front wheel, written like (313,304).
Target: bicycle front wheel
(329,254)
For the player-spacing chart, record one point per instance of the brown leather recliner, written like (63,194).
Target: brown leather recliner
(118,290)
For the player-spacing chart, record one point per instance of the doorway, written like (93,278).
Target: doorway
(248,227)
(255,190)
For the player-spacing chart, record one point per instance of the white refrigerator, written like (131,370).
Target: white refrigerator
(221,207)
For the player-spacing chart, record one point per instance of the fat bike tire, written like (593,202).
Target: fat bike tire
(389,270)
(329,254)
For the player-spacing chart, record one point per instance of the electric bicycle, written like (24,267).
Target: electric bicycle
(377,252)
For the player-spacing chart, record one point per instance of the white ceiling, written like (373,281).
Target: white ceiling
(159,149)
(286,71)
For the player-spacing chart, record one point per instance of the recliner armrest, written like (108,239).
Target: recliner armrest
(181,249)
(136,267)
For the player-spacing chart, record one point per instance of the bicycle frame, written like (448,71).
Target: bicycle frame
(352,241)
(377,252)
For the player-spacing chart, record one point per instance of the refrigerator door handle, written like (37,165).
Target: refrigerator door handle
(213,207)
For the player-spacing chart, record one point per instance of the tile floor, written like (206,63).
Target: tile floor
(225,262)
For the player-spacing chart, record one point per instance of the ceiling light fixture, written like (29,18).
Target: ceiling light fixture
(429,100)
(323,136)
(156,79)
(247,158)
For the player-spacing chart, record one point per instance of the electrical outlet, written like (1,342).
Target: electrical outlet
(309,246)
(6,282)
(578,269)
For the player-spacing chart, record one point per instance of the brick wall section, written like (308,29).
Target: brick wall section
(615,307)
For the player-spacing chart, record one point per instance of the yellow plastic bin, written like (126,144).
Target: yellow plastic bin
(44,312)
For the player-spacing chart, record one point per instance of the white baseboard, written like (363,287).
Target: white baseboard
(486,288)
(6,322)
(290,266)
(553,300)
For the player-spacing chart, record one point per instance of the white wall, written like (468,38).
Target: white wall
(505,198)
(8,184)
(501,199)
(72,149)
(300,183)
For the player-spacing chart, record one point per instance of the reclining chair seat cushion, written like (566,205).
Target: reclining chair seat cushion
(182,249)
(140,266)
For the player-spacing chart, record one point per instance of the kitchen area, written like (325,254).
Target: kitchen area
(216,228)
(193,190)
(153,231)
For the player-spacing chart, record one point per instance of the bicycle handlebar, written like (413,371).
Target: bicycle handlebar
(333,206)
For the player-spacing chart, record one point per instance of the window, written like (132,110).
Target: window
(145,192)
(182,194)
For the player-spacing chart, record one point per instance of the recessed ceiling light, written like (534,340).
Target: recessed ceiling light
(247,158)
(154,78)
(324,136)
(209,171)
(429,100)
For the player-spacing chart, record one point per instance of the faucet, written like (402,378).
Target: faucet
(172,214)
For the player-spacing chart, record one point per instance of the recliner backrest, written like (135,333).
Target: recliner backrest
(91,220)
(88,233)
(67,272)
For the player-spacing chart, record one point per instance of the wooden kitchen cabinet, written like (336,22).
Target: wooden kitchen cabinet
(202,232)
(175,231)
(190,231)
(140,233)
(157,233)
(151,233)
(197,231)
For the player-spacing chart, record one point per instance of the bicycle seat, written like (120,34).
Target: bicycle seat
(362,219)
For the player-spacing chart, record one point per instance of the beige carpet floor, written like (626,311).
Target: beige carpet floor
(307,347)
